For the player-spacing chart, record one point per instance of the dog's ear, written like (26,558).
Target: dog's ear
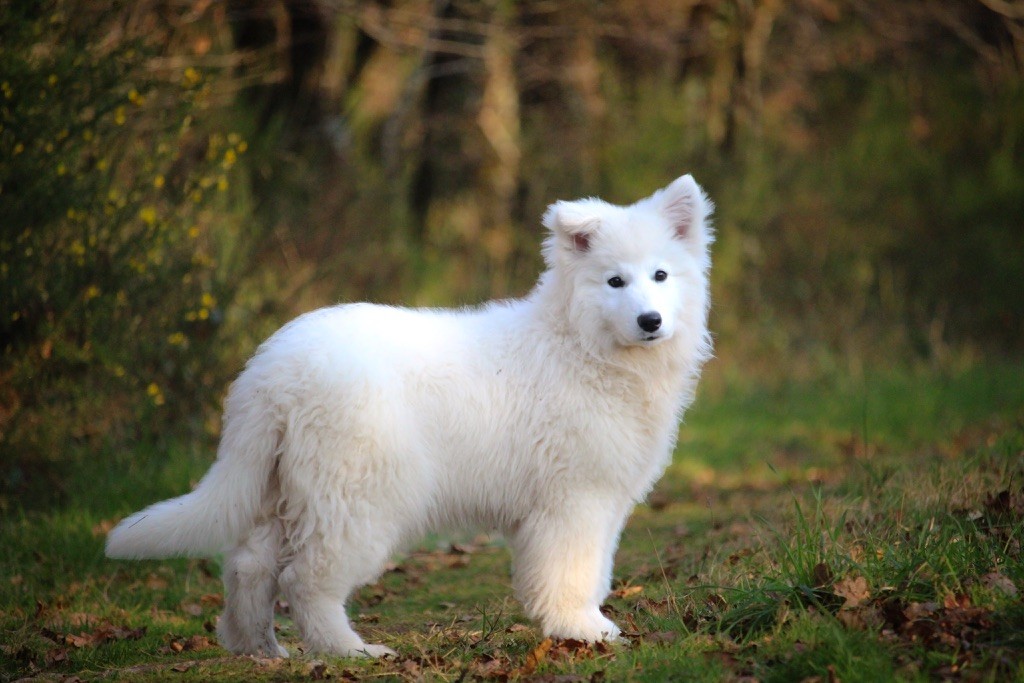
(687,208)
(573,223)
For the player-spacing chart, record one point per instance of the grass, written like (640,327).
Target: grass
(814,530)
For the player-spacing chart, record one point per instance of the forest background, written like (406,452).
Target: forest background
(180,177)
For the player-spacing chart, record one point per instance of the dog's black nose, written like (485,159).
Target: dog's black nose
(649,322)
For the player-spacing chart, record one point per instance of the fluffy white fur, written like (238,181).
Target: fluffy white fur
(356,429)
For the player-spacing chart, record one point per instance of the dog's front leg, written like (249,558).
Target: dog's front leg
(562,567)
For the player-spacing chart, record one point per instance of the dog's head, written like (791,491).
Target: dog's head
(636,273)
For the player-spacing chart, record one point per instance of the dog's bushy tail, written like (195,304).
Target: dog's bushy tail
(221,509)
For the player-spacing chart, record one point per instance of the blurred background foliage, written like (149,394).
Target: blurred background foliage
(179,177)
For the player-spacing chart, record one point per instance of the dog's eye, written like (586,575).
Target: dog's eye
(660,276)
(616,282)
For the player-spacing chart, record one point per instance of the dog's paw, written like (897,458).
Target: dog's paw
(589,625)
(372,651)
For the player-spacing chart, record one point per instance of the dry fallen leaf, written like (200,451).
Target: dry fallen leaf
(103,527)
(212,600)
(952,601)
(154,582)
(317,670)
(627,591)
(1000,583)
(80,640)
(535,657)
(822,575)
(854,589)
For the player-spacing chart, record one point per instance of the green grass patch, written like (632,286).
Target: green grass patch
(824,530)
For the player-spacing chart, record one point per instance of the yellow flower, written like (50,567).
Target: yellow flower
(154,393)
(61,169)
(207,300)
(176,339)
(242,146)
(91,292)
(52,80)
(18,149)
(119,117)
(148,215)
(135,98)
(230,157)
(222,183)
(193,232)
(158,182)
(192,76)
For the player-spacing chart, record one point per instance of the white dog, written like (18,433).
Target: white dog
(356,429)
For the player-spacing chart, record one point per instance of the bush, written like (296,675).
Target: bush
(111,280)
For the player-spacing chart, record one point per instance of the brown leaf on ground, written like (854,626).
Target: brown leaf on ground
(822,575)
(573,650)
(716,601)
(999,583)
(212,600)
(536,656)
(80,640)
(626,591)
(854,589)
(656,607)
(861,617)
(739,555)
(196,643)
(947,626)
(104,633)
(951,601)
(920,610)
(156,583)
(317,670)
(487,666)
(658,500)
(1005,502)
(103,527)
(190,644)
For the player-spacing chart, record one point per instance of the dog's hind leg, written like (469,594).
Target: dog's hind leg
(317,583)
(250,583)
